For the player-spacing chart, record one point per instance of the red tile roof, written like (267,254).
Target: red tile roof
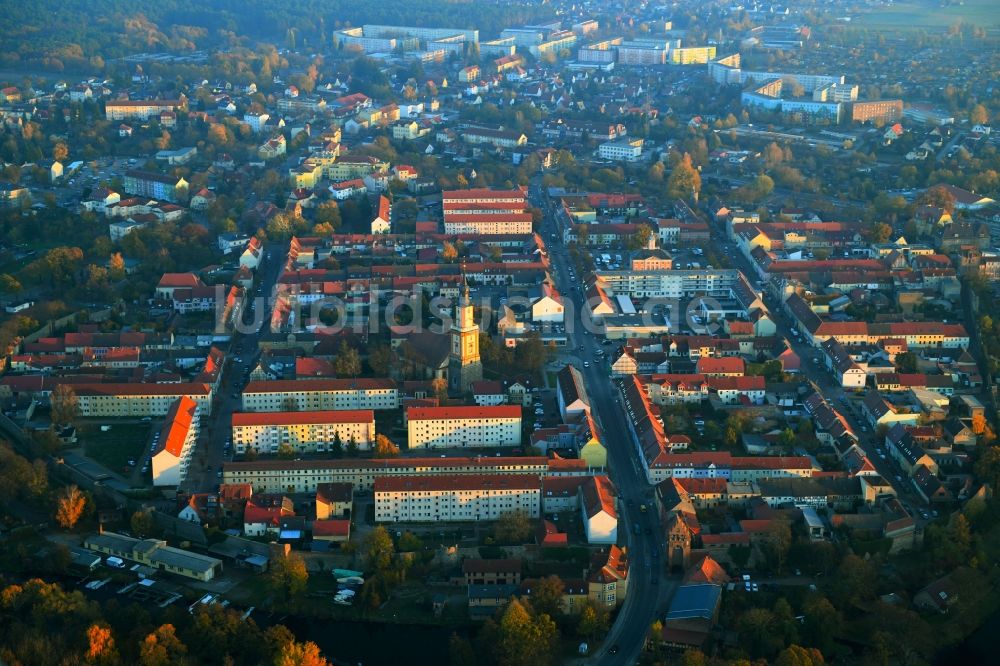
(317,385)
(463,412)
(303,418)
(454,482)
(179,419)
(337,527)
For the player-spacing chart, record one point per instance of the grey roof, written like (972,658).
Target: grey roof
(695,601)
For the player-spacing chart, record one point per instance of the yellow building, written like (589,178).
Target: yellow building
(449,498)
(278,476)
(309,395)
(693,55)
(463,427)
(116,400)
(155,553)
(304,432)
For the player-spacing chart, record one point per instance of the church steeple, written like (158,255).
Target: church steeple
(465,365)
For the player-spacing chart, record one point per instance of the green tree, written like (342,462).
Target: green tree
(9,284)
(384,447)
(906,362)
(162,647)
(70,505)
(328,212)
(512,527)
(285,451)
(287,576)
(379,549)
(460,652)
(524,640)
(337,448)
(65,406)
(822,622)
(757,632)
(593,620)
(142,524)
(348,362)
(684,181)
(546,597)
(795,655)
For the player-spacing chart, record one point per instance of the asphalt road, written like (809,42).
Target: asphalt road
(648,587)
(847,404)
(217,430)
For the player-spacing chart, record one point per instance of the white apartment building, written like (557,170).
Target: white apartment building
(624,150)
(305,432)
(485,211)
(311,395)
(281,476)
(463,427)
(256,121)
(115,400)
(144,109)
(455,498)
(178,437)
(670,283)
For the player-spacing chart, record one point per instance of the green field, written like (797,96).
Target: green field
(929,15)
(112,449)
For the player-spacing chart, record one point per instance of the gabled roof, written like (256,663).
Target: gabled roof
(178,422)
(599,496)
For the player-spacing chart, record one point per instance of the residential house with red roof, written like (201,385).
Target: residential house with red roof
(607,583)
(598,510)
(172,455)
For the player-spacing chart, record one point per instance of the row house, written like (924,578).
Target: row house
(305,475)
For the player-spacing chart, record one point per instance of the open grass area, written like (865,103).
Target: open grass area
(113,448)
(927,14)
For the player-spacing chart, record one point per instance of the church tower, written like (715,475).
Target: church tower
(464,365)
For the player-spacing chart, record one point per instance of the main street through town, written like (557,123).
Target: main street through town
(648,588)
(240,359)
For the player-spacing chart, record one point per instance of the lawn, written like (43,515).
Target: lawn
(928,14)
(112,449)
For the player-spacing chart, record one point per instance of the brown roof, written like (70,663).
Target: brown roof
(474,566)
(334,492)
(317,385)
(303,418)
(456,482)
(599,495)
(463,412)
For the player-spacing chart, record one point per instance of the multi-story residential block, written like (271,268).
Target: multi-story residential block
(643,52)
(154,185)
(495,138)
(836,92)
(275,476)
(316,395)
(455,498)
(483,211)
(463,427)
(139,399)
(142,109)
(691,55)
(883,110)
(624,150)
(172,455)
(304,432)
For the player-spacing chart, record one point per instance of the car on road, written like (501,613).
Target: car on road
(754,587)
(586,364)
